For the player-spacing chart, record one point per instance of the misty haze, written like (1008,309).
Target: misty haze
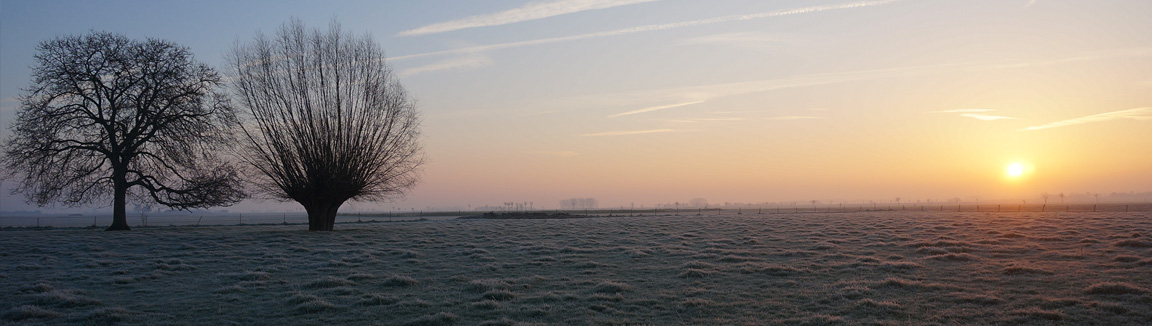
(576,162)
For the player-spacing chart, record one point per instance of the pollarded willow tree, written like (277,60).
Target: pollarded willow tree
(328,120)
(107,116)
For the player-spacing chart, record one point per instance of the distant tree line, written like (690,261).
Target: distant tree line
(579,203)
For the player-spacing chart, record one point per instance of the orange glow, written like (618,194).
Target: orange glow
(1018,170)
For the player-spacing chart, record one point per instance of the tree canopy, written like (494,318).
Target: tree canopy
(107,116)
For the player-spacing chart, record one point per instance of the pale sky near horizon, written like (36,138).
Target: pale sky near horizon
(657,101)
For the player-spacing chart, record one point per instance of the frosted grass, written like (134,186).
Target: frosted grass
(919,268)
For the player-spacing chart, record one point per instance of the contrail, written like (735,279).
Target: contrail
(1135,114)
(631,132)
(649,28)
(532,11)
(655,108)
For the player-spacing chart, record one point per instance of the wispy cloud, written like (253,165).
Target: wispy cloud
(795,117)
(689,95)
(747,40)
(655,108)
(654,27)
(1030,3)
(1134,114)
(531,11)
(465,62)
(1097,55)
(650,99)
(985,117)
(628,132)
(706,120)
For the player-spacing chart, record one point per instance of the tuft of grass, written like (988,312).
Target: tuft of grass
(498,295)
(399,280)
(36,288)
(503,321)
(606,297)
(899,283)
(954,257)
(873,304)
(931,251)
(981,299)
(406,253)
(1024,270)
(734,259)
(1126,259)
(64,299)
(693,273)
(1034,313)
(377,299)
(900,265)
(253,276)
(590,264)
(772,269)
(1115,288)
(315,305)
(816,320)
(175,265)
(1110,307)
(329,282)
(361,277)
(107,316)
(485,305)
(1133,243)
(698,265)
(489,284)
(29,312)
(301,297)
(697,303)
(612,287)
(438,319)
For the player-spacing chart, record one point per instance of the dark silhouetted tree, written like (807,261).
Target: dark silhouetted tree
(110,116)
(328,120)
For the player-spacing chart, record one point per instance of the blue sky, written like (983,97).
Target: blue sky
(743,101)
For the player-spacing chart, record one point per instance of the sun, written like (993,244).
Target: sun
(1017,170)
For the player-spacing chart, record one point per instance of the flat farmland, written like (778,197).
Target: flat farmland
(906,268)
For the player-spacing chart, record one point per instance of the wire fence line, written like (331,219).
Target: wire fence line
(150,220)
(192,219)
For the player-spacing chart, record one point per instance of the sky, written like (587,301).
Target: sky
(658,101)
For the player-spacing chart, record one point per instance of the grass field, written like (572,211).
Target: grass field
(906,268)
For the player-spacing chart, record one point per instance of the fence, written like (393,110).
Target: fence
(170,219)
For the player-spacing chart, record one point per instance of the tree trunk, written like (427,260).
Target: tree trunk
(322,214)
(119,203)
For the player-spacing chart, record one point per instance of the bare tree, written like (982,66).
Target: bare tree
(106,115)
(328,123)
